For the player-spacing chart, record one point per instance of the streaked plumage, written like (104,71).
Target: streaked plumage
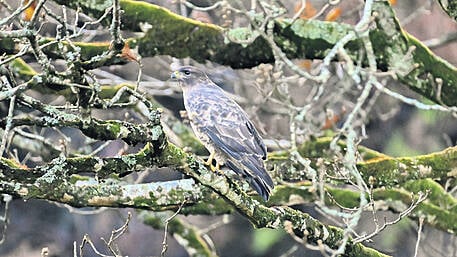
(224,128)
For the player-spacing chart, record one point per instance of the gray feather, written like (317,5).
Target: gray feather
(223,126)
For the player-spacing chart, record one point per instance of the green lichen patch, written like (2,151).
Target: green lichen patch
(170,33)
(23,68)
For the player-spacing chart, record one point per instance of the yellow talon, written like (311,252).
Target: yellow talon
(210,159)
(215,168)
(209,163)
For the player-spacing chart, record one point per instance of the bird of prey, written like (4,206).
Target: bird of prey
(224,129)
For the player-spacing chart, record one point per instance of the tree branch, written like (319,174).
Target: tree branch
(396,50)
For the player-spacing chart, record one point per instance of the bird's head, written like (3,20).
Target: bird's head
(188,75)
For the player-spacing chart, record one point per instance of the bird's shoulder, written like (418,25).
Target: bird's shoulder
(212,102)
(224,121)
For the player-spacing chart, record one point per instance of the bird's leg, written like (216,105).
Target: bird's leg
(215,168)
(210,159)
(209,163)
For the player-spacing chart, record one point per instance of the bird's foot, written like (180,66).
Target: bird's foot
(209,162)
(216,168)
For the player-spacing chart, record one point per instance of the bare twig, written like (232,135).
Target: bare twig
(115,28)
(420,198)
(300,11)
(414,102)
(116,233)
(419,232)
(9,124)
(167,222)
(4,218)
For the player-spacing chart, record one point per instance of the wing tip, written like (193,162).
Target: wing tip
(262,188)
(263,185)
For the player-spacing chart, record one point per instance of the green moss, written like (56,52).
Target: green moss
(438,196)
(170,33)
(145,202)
(360,250)
(115,128)
(213,206)
(432,64)
(313,29)
(9,163)
(241,34)
(109,91)
(172,156)
(439,208)
(320,37)
(413,63)
(129,160)
(74,178)
(300,193)
(23,68)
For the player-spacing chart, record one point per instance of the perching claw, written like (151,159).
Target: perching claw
(210,159)
(209,163)
(215,168)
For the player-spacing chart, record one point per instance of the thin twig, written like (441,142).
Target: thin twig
(419,232)
(167,221)
(9,124)
(18,11)
(300,11)
(422,196)
(87,240)
(414,102)
(116,233)
(4,218)
(115,28)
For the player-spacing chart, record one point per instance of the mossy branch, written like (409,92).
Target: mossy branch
(26,183)
(377,168)
(53,186)
(303,225)
(95,128)
(413,63)
(81,191)
(36,82)
(402,55)
(388,171)
(439,209)
(396,50)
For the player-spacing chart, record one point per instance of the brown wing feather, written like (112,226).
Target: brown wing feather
(225,118)
(222,121)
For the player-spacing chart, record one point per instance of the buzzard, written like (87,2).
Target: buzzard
(224,129)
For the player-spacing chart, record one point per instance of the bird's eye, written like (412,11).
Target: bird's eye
(187,72)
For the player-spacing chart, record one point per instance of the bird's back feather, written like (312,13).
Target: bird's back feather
(223,125)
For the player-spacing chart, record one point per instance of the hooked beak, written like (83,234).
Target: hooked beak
(176,75)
